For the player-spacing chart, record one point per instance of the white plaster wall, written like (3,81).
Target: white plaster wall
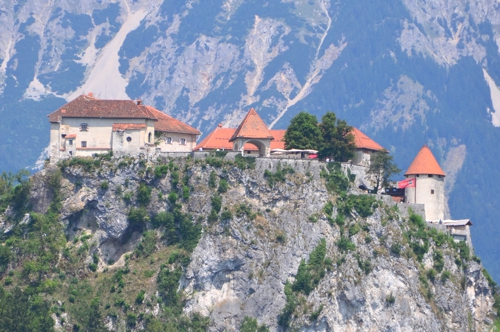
(99,131)
(122,146)
(175,146)
(362,157)
(421,194)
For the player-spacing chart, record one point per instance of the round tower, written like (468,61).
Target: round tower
(428,187)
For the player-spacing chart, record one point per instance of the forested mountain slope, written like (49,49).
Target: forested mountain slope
(407,73)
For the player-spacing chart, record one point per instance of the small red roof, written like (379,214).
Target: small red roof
(128,126)
(86,106)
(167,123)
(364,142)
(70,136)
(252,126)
(219,139)
(425,163)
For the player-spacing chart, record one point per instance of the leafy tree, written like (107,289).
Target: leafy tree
(382,167)
(250,324)
(303,132)
(337,140)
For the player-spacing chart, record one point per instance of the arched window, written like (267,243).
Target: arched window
(149,137)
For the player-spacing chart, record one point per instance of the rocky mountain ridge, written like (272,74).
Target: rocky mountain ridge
(290,243)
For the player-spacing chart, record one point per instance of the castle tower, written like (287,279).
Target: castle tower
(428,187)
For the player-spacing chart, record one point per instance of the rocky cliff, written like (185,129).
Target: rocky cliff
(202,243)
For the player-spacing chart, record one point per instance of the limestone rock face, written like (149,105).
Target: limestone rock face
(241,265)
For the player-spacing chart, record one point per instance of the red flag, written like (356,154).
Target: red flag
(408,183)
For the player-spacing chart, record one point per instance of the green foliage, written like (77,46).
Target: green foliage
(438,260)
(147,245)
(138,216)
(212,180)
(396,248)
(223,186)
(244,162)
(143,194)
(309,275)
(382,167)
(22,311)
(431,274)
(279,175)
(362,204)
(336,140)
(345,244)
(336,181)
(328,208)
(172,198)
(140,297)
(226,215)
(445,276)
(250,324)
(104,185)
(245,210)
(185,193)
(303,132)
(316,314)
(127,197)
(175,177)
(464,250)
(390,299)
(161,171)
(216,203)
(291,304)
(168,283)
(354,229)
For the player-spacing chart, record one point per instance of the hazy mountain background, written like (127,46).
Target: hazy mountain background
(405,72)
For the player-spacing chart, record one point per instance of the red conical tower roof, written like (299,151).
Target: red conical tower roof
(425,163)
(252,126)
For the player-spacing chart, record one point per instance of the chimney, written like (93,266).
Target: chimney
(220,125)
(90,94)
(139,102)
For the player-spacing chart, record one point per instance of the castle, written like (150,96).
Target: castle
(88,125)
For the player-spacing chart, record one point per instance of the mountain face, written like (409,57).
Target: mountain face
(406,73)
(195,244)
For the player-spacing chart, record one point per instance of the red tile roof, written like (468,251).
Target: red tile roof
(128,126)
(364,142)
(169,124)
(252,126)
(70,136)
(425,163)
(219,139)
(89,107)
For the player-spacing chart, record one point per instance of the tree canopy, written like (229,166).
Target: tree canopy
(382,167)
(337,140)
(303,132)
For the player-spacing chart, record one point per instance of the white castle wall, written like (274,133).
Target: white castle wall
(429,190)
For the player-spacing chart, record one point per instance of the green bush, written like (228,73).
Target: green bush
(328,208)
(396,248)
(244,162)
(354,229)
(223,186)
(175,179)
(438,260)
(226,215)
(445,276)
(161,171)
(390,299)
(216,203)
(138,216)
(185,193)
(140,297)
(279,175)
(361,203)
(345,244)
(431,274)
(143,194)
(104,185)
(172,198)
(336,180)
(147,245)
(212,180)
(127,197)
(131,319)
(251,325)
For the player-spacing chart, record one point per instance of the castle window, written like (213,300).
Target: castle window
(168,140)
(129,139)
(432,191)
(70,142)
(182,141)
(84,127)
(430,175)
(84,144)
